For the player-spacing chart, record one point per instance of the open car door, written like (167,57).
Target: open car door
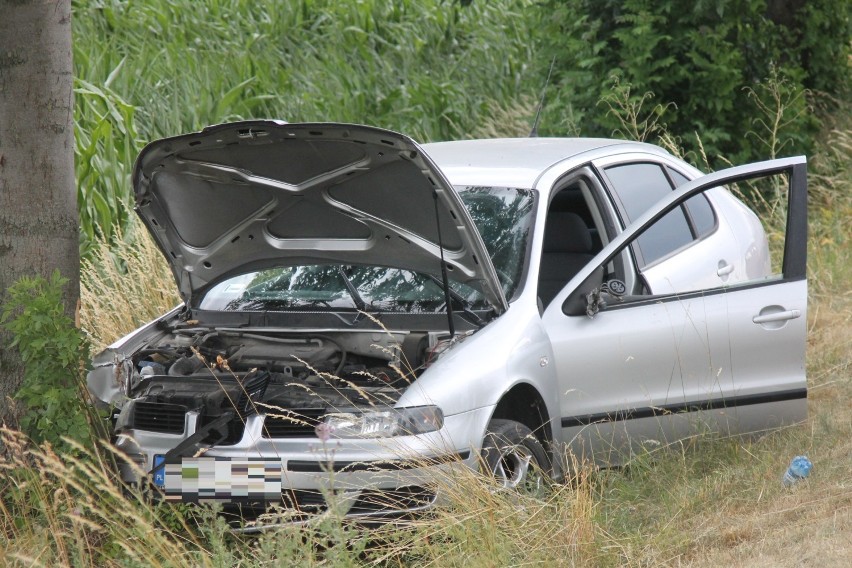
(726,355)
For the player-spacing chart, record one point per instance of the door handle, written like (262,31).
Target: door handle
(724,268)
(777,316)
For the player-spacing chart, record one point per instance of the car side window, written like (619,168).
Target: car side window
(698,208)
(638,186)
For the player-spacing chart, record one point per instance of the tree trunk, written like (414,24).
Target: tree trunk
(38,200)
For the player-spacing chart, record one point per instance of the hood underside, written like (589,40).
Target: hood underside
(239,197)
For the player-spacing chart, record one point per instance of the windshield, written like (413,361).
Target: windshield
(503,217)
(324,286)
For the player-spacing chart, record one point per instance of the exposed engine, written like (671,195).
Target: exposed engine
(294,379)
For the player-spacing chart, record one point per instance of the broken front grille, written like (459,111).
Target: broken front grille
(159,417)
(292,423)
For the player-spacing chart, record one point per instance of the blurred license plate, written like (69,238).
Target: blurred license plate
(159,472)
(219,479)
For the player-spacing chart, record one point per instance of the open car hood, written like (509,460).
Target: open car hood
(244,196)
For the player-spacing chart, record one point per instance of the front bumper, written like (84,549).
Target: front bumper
(360,478)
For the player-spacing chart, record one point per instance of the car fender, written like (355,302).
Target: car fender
(478,370)
(106,379)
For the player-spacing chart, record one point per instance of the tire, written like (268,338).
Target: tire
(514,456)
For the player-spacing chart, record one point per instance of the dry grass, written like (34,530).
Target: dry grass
(123,285)
(830,200)
(512,120)
(64,510)
(68,510)
(486,526)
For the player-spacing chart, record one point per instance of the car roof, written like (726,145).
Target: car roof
(518,162)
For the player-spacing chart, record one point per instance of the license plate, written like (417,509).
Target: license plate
(221,479)
(159,472)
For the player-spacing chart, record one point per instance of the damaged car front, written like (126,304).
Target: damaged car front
(325,270)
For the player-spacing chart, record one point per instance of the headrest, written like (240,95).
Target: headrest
(566,232)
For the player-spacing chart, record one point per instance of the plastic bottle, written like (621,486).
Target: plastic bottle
(799,468)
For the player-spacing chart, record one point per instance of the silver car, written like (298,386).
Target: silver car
(362,312)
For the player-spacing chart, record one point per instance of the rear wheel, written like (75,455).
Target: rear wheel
(514,456)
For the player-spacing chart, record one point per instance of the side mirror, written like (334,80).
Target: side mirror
(577,302)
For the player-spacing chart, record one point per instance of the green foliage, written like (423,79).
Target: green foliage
(438,69)
(107,143)
(433,69)
(52,350)
(710,59)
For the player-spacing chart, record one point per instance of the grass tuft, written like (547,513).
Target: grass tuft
(125,283)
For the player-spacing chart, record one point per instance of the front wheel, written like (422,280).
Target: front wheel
(514,456)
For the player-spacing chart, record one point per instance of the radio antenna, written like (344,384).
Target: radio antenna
(534,131)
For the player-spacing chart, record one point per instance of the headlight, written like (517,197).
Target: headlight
(384,423)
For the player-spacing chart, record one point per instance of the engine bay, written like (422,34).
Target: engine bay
(294,378)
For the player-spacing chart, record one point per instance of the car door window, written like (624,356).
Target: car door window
(638,186)
(699,211)
(747,249)
(762,250)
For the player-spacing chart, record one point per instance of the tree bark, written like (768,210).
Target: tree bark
(39,227)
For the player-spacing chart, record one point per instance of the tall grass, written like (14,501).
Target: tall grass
(830,253)
(434,69)
(124,283)
(69,510)
(429,68)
